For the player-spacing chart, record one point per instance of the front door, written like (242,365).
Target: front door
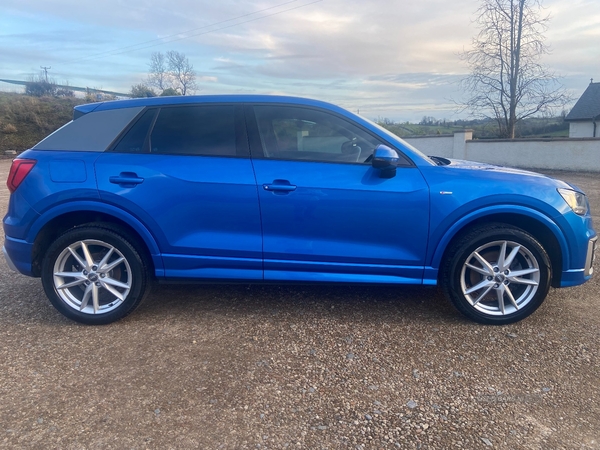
(326,213)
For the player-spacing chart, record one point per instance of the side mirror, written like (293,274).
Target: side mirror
(385,159)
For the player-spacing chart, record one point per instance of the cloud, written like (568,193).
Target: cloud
(396,59)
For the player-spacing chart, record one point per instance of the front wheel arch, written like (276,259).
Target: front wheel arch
(537,228)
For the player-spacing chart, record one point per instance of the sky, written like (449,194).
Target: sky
(385,59)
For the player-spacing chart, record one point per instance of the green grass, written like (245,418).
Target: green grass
(24,120)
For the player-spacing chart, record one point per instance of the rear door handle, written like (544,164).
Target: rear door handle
(279,186)
(126,179)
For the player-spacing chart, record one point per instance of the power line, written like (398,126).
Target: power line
(164,40)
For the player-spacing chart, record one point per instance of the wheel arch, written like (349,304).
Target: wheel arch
(538,225)
(55,222)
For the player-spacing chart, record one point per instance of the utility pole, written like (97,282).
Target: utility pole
(45,69)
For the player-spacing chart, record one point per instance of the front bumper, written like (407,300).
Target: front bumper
(589,260)
(575,277)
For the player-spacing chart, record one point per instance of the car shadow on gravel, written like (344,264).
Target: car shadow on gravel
(360,302)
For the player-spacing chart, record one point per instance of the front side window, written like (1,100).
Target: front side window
(289,132)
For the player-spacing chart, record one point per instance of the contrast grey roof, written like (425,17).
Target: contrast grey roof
(588,105)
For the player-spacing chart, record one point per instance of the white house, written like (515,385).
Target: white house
(584,118)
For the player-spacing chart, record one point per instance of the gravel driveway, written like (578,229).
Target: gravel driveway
(274,367)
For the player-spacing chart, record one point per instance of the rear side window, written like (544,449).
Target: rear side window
(195,130)
(136,139)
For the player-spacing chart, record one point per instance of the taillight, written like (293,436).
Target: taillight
(18,171)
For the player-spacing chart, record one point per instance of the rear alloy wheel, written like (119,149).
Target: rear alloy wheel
(497,274)
(94,275)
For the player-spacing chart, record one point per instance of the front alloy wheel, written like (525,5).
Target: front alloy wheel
(496,274)
(500,277)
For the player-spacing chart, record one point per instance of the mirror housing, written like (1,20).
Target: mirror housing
(385,159)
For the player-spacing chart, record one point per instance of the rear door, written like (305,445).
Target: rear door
(185,172)
(327,215)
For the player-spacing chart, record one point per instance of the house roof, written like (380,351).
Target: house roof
(588,105)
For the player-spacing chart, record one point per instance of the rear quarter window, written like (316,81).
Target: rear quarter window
(92,132)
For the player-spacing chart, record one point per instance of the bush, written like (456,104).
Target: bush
(40,88)
(64,92)
(169,91)
(142,91)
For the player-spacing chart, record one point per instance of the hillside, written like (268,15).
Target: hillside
(24,120)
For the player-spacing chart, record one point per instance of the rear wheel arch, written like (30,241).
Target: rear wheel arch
(60,224)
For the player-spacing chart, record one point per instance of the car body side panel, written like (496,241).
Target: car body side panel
(202,210)
(460,196)
(39,192)
(342,222)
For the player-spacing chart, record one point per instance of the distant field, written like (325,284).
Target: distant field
(484,129)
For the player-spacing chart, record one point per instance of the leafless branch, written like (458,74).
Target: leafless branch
(507,82)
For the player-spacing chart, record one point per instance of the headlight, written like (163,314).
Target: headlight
(576,200)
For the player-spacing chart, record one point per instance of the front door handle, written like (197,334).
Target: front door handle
(126,179)
(279,186)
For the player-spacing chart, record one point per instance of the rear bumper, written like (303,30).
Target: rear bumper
(18,255)
(11,264)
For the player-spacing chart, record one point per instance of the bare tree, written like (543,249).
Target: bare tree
(171,72)
(182,71)
(507,81)
(159,76)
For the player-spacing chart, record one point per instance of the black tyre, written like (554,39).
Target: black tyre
(94,275)
(496,274)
